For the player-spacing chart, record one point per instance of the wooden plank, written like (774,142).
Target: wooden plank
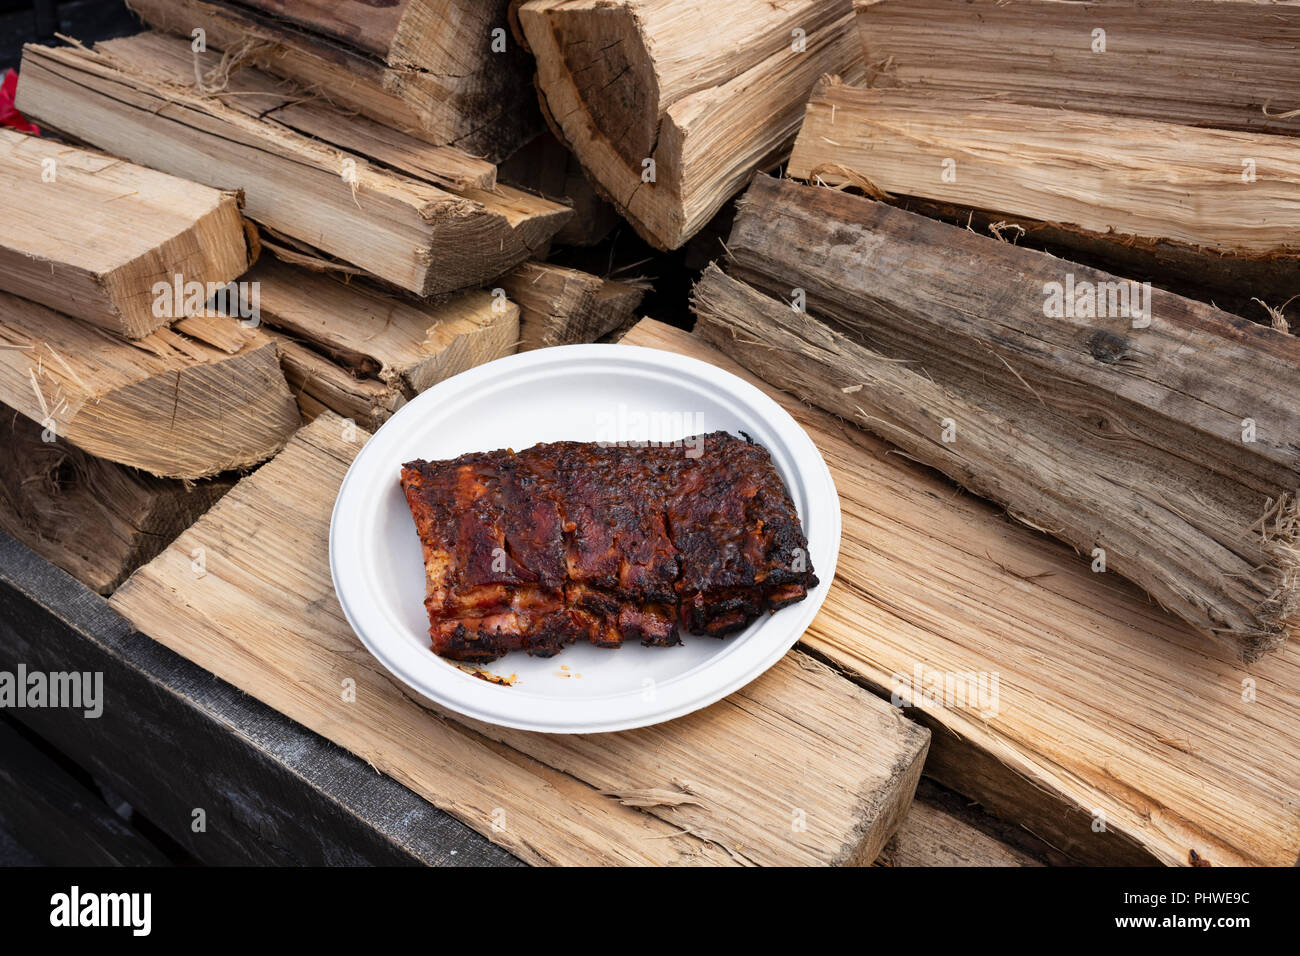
(90,236)
(1196,503)
(97,520)
(464,94)
(172,739)
(1119,732)
(563,306)
(56,815)
(412,233)
(664,83)
(169,404)
(1226,63)
(799,738)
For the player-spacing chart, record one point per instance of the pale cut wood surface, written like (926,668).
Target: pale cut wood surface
(95,519)
(708,98)
(90,235)
(1227,63)
(800,737)
(1170,444)
(466,95)
(1106,704)
(131,101)
(407,345)
(169,404)
(1142,178)
(563,306)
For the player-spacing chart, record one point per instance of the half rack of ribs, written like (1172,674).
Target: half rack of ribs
(536,549)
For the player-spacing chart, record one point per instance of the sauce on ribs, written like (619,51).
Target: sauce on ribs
(536,549)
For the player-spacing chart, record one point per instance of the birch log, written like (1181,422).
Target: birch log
(670,106)
(90,235)
(1163,442)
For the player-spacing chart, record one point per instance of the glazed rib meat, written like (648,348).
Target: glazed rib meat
(573,541)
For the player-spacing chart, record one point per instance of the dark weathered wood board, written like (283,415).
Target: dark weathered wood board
(173,738)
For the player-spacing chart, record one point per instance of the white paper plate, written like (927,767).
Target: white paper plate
(577,393)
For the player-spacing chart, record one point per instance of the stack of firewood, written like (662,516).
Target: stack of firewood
(1001,238)
(243,209)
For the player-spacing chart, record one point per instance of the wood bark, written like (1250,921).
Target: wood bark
(90,235)
(563,306)
(1107,708)
(1171,447)
(671,107)
(170,404)
(93,518)
(1225,63)
(815,740)
(462,94)
(135,100)
(1142,188)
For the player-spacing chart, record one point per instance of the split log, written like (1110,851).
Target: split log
(407,345)
(402,73)
(563,306)
(1059,698)
(1226,63)
(90,235)
(1163,444)
(320,385)
(135,101)
(95,519)
(815,741)
(361,351)
(1144,187)
(671,107)
(941,831)
(170,404)
(545,167)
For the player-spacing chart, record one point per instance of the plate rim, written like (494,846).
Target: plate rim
(664,360)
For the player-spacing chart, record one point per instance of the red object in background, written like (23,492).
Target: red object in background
(9,116)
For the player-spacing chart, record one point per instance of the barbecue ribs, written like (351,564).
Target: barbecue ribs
(536,549)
